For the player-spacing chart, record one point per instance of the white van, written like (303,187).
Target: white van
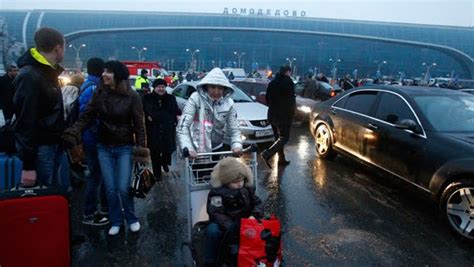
(237,73)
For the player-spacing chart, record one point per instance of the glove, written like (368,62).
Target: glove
(141,154)
(71,138)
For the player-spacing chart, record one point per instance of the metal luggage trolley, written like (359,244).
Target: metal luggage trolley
(197,175)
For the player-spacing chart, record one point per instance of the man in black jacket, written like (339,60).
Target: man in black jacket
(280,99)
(7,91)
(39,111)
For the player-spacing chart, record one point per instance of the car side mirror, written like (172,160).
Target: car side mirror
(407,124)
(253,97)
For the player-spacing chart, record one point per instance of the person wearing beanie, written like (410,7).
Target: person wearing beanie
(160,110)
(119,110)
(71,92)
(231,198)
(212,106)
(142,82)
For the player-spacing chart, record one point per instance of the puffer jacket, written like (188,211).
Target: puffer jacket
(204,122)
(70,93)
(120,115)
(227,206)
(38,105)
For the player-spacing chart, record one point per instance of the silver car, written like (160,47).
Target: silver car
(252,116)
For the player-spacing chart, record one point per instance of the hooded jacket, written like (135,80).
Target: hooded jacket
(38,106)
(204,122)
(227,206)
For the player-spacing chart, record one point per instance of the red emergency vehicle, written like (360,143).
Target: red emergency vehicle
(154,68)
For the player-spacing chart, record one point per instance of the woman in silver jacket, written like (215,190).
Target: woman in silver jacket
(208,115)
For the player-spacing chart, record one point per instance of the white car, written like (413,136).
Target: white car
(252,116)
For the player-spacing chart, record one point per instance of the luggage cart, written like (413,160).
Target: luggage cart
(197,174)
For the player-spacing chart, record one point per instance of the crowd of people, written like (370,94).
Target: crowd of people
(117,126)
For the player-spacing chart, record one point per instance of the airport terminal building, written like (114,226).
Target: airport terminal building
(254,40)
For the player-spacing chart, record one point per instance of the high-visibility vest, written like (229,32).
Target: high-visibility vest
(139,82)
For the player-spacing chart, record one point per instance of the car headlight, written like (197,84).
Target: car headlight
(304,109)
(243,137)
(243,123)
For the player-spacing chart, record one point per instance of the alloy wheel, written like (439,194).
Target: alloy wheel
(323,139)
(460,211)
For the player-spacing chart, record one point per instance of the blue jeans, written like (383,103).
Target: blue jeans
(116,167)
(52,167)
(213,238)
(93,182)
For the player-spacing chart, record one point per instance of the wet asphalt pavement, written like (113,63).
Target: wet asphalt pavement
(334,213)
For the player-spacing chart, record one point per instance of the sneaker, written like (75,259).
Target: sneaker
(114,230)
(104,212)
(96,219)
(135,227)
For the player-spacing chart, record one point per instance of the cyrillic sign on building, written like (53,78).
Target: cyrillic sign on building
(263,12)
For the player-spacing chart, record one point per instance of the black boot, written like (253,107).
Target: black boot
(277,146)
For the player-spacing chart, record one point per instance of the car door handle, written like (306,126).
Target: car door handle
(372,126)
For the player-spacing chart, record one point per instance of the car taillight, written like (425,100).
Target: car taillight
(333,93)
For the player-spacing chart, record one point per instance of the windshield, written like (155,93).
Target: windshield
(239,96)
(448,113)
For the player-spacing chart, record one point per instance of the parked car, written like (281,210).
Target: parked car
(252,116)
(257,88)
(326,90)
(424,136)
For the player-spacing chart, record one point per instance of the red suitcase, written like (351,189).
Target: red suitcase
(34,228)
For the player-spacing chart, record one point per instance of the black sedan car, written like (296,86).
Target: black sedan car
(424,136)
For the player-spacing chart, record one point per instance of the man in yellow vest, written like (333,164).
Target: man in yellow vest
(142,82)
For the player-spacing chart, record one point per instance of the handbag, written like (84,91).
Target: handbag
(260,242)
(76,155)
(142,180)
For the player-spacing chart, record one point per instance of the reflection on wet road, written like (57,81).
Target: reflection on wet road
(333,213)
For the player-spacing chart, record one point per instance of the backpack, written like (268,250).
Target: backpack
(75,107)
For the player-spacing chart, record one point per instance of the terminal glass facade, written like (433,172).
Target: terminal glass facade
(219,35)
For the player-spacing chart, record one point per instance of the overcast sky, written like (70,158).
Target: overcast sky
(446,12)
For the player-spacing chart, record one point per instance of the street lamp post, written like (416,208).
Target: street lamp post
(334,64)
(78,58)
(290,60)
(428,68)
(320,45)
(139,51)
(239,56)
(193,63)
(379,66)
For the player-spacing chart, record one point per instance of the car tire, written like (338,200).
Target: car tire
(323,140)
(457,208)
